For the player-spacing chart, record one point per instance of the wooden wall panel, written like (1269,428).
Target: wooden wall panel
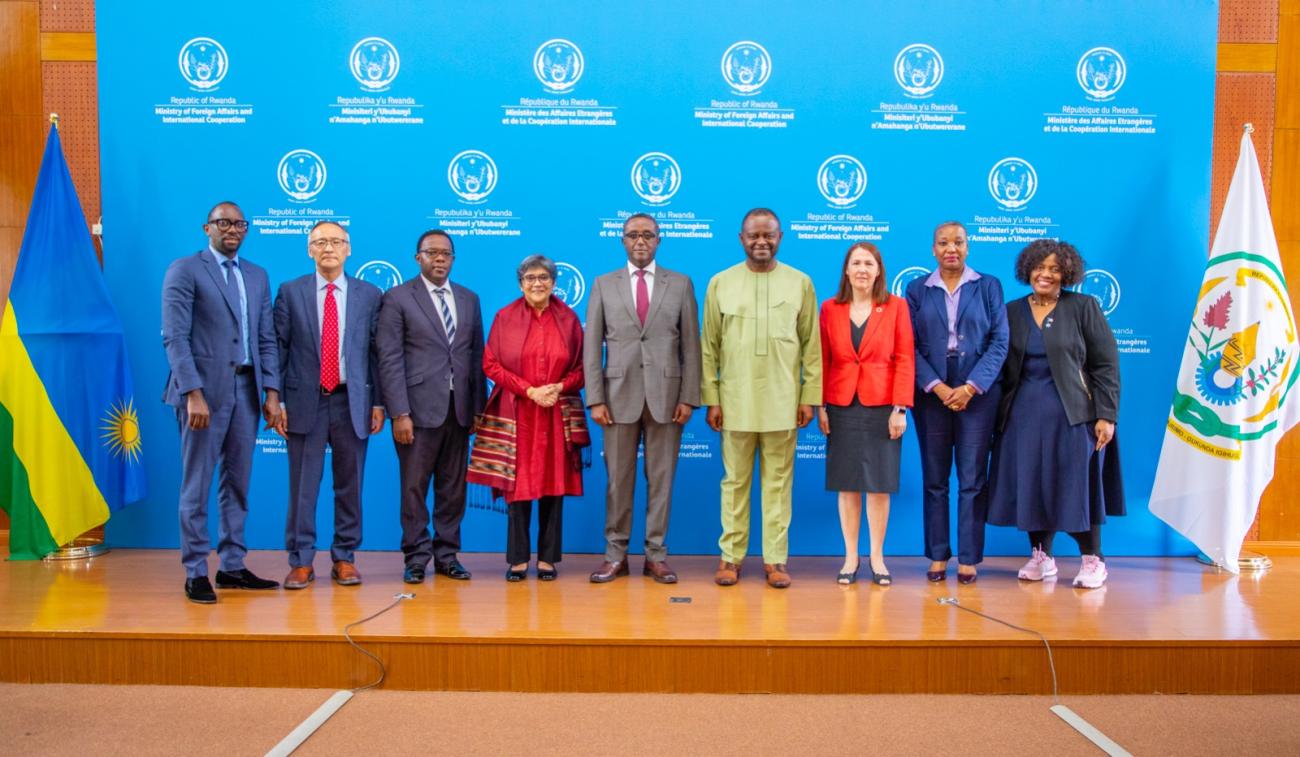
(1279,510)
(70,90)
(1239,99)
(1248,21)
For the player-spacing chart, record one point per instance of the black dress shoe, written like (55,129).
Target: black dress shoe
(453,569)
(243,579)
(547,574)
(200,590)
(515,576)
(414,574)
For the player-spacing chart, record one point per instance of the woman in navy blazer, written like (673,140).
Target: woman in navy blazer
(960,323)
(867,380)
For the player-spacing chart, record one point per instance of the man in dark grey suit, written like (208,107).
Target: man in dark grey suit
(325,323)
(430,344)
(645,318)
(220,344)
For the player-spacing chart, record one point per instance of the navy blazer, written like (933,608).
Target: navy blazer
(417,363)
(297,329)
(981,331)
(1081,354)
(200,330)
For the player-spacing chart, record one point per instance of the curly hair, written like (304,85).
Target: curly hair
(1068,260)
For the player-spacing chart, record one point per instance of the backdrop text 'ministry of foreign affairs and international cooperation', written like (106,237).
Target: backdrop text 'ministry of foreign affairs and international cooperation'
(523,128)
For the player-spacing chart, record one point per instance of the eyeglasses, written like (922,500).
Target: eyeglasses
(325,244)
(225,223)
(435,254)
(537,278)
(645,236)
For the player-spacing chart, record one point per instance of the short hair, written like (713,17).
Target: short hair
(756,212)
(319,224)
(1068,260)
(222,204)
(435,233)
(879,292)
(646,216)
(535,261)
(946,224)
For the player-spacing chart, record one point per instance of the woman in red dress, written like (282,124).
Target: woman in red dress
(530,437)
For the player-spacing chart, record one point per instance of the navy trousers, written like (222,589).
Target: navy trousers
(966,437)
(228,440)
(306,463)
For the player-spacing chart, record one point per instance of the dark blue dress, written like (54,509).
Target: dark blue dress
(1046,475)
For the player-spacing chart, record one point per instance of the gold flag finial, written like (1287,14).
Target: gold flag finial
(1250,128)
(54,119)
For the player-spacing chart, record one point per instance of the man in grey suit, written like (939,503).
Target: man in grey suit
(325,324)
(220,344)
(430,345)
(645,318)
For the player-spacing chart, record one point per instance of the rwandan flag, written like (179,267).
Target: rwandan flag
(69,435)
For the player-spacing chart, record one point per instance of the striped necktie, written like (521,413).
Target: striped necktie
(447,322)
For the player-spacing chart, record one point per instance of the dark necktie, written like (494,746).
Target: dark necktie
(329,342)
(642,296)
(232,291)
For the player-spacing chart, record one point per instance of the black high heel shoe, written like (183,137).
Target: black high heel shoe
(881,579)
(844,579)
(514,576)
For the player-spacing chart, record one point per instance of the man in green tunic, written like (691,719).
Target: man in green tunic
(762,377)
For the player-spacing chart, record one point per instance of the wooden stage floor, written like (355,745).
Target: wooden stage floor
(1160,625)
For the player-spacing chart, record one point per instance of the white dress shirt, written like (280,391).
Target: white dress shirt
(649,279)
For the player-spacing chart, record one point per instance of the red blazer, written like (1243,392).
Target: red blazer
(883,372)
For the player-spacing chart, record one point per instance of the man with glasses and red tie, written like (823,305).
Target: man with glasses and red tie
(430,346)
(641,360)
(220,344)
(325,325)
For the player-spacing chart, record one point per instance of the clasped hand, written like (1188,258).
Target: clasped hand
(545,395)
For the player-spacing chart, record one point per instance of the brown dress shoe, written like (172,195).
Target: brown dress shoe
(777,576)
(660,572)
(345,574)
(298,578)
(727,575)
(608,571)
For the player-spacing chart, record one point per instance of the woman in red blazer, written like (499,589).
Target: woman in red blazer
(868,373)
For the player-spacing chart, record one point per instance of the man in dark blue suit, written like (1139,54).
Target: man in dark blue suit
(325,323)
(430,344)
(220,344)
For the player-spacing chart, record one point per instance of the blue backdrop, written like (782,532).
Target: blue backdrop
(523,127)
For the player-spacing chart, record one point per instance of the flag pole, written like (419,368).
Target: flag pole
(90,544)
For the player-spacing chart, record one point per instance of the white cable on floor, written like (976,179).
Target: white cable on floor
(1088,730)
(336,701)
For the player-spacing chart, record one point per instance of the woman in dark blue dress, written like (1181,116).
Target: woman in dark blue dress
(1055,463)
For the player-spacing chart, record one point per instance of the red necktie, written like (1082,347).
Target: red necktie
(642,296)
(329,342)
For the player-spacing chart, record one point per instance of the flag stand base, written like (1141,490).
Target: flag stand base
(80,548)
(1247,561)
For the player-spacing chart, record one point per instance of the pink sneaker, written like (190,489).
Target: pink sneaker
(1092,574)
(1040,566)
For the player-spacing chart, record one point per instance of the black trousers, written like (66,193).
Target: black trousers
(1089,541)
(439,455)
(518,538)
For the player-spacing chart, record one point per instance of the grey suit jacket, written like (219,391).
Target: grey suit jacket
(417,363)
(657,365)
(200,330)
(297,329)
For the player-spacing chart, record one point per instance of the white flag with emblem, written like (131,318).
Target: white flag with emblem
(1236,383)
